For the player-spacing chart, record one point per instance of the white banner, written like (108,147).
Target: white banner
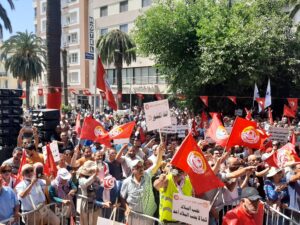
(190,210)
(279,134)
(157,114)
(54,150)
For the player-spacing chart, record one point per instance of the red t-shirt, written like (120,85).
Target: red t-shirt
(238,216)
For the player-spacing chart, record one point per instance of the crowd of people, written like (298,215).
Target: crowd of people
(138,178)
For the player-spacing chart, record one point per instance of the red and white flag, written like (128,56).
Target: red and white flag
(73,91)
(91,129)
(100,75)
(232,98)
(204,99)
(110,97)
(261,103)
(22,163)
(159,96)
(78,125)
(190,159)
(217,131)
(244,133)
(248,114)
(50,168)
(87,92)
(268,98)
(293,103)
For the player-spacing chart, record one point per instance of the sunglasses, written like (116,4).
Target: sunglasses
(6,171)
(28,171)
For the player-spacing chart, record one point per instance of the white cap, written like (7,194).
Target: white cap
(64,174)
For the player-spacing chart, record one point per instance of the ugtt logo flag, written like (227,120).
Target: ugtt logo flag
(191,160)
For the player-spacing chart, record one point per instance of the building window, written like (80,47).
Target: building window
(35,12)
(103,11)
(73,38)
(43,25)
(146,3)
(35,28)
(111,76)
(74,77)
(73,58)
(71,18)
(3,74)
(152,76)
(124,6)
(44,7)
(103,31)
(71,1)
(124,28)
(145,75)
(6,84)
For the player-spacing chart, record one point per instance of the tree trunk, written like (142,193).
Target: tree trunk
(53,30)
(119,87)
(27,93)
(65,76)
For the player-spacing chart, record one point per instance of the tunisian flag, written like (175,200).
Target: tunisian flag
(190,159)
(22,163)
(123,131)
(288,112)
(77,125)
(110,97)
(248,114)
(50,168)
(217,131)
(232,98)
(261,103)
(100,75)
(244,133)
(293,103)
(91,129)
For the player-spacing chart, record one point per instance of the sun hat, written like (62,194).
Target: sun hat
(250,193)
(88,168)
(273,171)
(64,174)
(26,167)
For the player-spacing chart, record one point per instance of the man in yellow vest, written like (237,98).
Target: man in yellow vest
(176,181)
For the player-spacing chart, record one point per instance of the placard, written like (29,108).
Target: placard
(280,134)
(190,210)
(54,149)
(157,114)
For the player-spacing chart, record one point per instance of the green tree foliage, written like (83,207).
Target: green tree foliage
(215,48)
(4,18)
(117,47)
(24,55)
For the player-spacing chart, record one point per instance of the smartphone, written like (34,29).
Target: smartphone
(39,172)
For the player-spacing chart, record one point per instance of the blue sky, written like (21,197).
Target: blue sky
(21,18)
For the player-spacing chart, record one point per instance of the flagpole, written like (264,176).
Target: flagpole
(214,199)
(95,91)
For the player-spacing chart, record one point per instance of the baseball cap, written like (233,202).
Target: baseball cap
(64,174)
(134,162)
(251,193)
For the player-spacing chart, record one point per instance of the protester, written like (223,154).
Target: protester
(9,204)
(15,160)
(32,156)
(248,212)
(9,180)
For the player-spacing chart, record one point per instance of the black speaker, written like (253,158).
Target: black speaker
(5,153)
(46,114)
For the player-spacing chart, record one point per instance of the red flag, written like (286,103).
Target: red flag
(271,121)
(261,103)
(77,125)
(190,159)
(232,98)
(100,75)
(248,114)
(293,138)
(217,131)
(110,97)
(22,163)
(50,168)
(122,131)
(40,92)
(159,96)
(244,133)
(87,92)
(293,103)
(288,112)
(142,134)
(204,119)
(204,100)
(140,96)
(91,129)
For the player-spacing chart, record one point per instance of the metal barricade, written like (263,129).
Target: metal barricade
(293,214)
(9,221)
(273,216)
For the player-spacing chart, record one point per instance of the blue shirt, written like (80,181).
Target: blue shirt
(8,202)
(294,192)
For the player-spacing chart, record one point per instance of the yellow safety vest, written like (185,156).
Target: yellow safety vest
(166,197)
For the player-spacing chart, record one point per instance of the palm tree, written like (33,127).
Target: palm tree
(5,19)
(24,55)
(115,47)
(53,29)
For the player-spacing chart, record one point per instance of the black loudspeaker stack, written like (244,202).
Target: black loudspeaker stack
(10,120)
(46,120)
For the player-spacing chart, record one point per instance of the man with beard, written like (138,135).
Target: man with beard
(32,156)
(137,191)
(249,211)
(87,155)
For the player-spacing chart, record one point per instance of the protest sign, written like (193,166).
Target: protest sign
(279,134)
(175,129)
(157,114)
(121,141)
(54,150)
(190,210)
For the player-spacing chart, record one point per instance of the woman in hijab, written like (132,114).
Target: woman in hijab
(62,191)
(89,183)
